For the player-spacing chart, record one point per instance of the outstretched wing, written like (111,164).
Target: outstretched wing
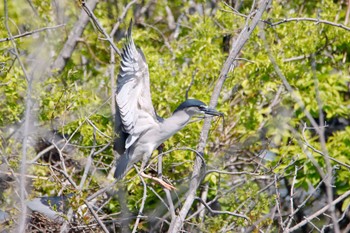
(133,92)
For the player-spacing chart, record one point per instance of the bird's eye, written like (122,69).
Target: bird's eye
(203,107)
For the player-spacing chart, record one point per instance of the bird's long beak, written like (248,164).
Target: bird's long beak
(212,112)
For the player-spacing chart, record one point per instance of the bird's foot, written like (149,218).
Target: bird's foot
(159,180)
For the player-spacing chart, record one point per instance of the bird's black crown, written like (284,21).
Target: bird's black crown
(190,103)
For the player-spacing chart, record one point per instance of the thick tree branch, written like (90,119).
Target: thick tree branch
(73,38)
(177,223)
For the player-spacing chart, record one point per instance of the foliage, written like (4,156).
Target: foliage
(261,116)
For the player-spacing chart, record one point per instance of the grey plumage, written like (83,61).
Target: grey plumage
(139,129)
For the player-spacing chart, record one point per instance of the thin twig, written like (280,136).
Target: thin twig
(278,203)
(31,32)
(222,212)
(88,162)
(99,26)
(121,17)
(28,176)
(322,140)
(290,217)
(28,104)
(292,211)
(160,175)
(47,149)
(191,83)
(98,220)
(144,197)
(317,21)
(101,191)
(166,42)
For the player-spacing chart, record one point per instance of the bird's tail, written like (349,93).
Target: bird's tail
(122,166)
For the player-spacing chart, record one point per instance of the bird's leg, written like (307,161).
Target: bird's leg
(160,181)
(160,160)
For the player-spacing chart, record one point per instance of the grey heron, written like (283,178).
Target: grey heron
(139,129)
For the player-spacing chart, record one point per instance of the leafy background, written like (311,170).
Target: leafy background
(262,144)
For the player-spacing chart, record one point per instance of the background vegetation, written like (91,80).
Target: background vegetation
(279,162)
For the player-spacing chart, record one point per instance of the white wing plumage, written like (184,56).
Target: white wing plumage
(133,93)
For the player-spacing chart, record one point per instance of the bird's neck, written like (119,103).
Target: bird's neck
(174,123)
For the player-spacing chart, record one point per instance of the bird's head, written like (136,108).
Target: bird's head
(194,107)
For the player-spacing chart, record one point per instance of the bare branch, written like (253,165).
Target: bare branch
(89,12)
(142,203)
(98,220)
(347,14)
(166,42)
(318,129)
(101,191)
(319,212)
(222,212)
(160,175)
(191,83)
(320,152)
(292,197)
(278,203)
(27,114)
(76,32)
(88,163)
(290,217)
(317,21)
(176,224)
(31,32)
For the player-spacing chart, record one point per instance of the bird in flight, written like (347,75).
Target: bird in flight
(139,130)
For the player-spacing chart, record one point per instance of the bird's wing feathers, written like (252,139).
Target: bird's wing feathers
(133,92)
